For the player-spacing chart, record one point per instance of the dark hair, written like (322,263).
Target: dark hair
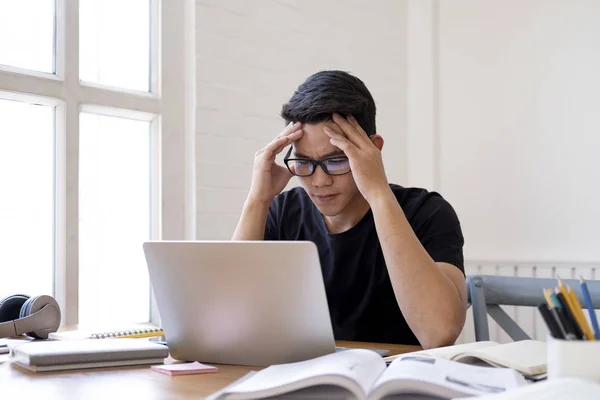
(328,92)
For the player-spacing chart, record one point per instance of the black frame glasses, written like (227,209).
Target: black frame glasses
(322,163)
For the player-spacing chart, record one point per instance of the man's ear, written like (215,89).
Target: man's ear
(377,141)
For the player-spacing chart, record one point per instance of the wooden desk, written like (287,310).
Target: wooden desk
(131,382)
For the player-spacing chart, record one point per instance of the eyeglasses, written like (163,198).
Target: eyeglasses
(304,167)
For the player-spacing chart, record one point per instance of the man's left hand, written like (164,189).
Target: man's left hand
(365,158)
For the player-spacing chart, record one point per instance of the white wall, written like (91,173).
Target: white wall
(514,96)
(252,55)
(494,103)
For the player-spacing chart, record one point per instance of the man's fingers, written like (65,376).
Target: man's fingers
(356,135)
(290,128)
(337,129)
(343,144)
(340,141)
(334,131)
(277,145)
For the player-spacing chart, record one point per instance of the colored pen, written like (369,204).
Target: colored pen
(563,317)
(555,330)
(547,296)
(553,299)
(579,315)
(590,307)
(569,315)
(575,307)
(563,323)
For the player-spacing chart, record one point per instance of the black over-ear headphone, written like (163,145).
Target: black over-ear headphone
(34,316)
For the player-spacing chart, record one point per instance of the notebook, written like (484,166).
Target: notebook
(555,389)
(7,343)
(86,353)
(526,356)
(362,374)
(137,331)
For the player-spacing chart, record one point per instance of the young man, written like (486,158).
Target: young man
(391,256)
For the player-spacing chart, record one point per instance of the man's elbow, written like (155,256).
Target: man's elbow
(444,333)
(439,340)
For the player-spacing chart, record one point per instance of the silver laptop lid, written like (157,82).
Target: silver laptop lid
(247,303)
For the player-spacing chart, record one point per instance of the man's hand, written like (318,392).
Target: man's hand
(365,158)
(268,177)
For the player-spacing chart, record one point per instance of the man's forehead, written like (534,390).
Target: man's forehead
(315,152)
(314,143)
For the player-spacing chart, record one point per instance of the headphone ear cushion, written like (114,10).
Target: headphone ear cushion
(10,307)
(35,304)
(26,307)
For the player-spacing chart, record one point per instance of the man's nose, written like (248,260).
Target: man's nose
(320,177)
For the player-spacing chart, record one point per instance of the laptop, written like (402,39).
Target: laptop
(241,302)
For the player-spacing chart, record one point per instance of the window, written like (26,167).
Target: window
(108,56)
(26,204)
(96,149)
(114,218)
(27,34)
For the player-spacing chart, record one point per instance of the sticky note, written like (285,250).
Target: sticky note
(185,368)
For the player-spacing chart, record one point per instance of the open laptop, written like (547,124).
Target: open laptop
(247,303)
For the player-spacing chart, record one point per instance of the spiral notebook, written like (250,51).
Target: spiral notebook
(125,332)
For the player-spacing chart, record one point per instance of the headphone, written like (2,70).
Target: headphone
(34,316)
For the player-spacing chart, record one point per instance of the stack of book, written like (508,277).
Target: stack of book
(55,355)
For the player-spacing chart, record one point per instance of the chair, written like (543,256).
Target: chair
(486,293)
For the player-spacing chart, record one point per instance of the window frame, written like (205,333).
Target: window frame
(170,106)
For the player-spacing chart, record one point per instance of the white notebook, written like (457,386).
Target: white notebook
(87,353)
(526,356)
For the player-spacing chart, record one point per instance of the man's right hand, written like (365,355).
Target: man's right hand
(268,177)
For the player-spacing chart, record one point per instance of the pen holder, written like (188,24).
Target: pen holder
(573,358)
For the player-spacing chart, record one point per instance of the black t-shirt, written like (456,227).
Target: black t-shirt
(361,300)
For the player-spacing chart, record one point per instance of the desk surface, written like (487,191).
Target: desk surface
(133,382)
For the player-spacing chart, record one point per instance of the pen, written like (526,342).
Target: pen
(585,327)
(573,305)
(551,323)
(573,322)
(547,297)
(590,307)
(553,299)
(563,323)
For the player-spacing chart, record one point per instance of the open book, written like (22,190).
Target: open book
(362,374)
(526,356)
(555,389)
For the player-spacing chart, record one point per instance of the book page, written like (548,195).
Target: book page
(556,389)
(445,378)
(526,356)
(447,352)
(356,369)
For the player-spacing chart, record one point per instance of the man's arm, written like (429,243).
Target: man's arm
(432,296)
(268,179)
(253,220)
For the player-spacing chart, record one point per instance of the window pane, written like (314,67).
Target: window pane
(27,34)
(114,209)
(114,43)
(27,200)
